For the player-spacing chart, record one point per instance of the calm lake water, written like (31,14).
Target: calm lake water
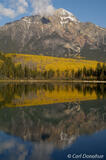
(52,121)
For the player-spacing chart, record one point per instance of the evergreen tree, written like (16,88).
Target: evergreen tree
(66,74)
(98,71)
(51,73)
(73,74)
(58,73)
(84,72)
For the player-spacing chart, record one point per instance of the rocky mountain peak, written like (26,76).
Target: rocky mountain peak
(60,34)
(61,16)
(65,16)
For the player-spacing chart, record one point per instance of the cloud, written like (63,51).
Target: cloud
(42,7)
(15,8)
(7,12)
(22,6)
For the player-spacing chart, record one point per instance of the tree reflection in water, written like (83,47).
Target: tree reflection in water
(57,115)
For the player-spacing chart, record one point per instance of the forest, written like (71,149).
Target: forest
(9,70)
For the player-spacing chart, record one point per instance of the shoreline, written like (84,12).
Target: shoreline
(51,81)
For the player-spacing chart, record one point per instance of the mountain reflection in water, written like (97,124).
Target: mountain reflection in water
(65,118)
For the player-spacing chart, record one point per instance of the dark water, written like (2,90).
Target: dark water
(52,121)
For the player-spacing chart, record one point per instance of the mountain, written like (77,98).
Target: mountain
(60,35)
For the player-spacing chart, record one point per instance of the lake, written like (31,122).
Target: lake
(46,121)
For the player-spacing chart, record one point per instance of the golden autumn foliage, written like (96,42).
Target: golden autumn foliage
(54,63)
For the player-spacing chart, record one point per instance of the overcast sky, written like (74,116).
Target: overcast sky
(85,10)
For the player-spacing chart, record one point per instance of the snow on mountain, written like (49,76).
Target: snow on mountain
(65,16)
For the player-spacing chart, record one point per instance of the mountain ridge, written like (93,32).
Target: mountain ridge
(59,35)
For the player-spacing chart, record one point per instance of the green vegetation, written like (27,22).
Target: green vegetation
(10,70)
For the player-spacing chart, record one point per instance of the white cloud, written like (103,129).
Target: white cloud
(15,8)
(42,7)
(7,12)
(23,3)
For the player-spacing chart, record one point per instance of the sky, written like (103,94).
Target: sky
(85,10)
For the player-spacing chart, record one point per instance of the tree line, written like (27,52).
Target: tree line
(8,70)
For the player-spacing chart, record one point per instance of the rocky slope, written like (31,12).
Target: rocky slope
(60,35)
